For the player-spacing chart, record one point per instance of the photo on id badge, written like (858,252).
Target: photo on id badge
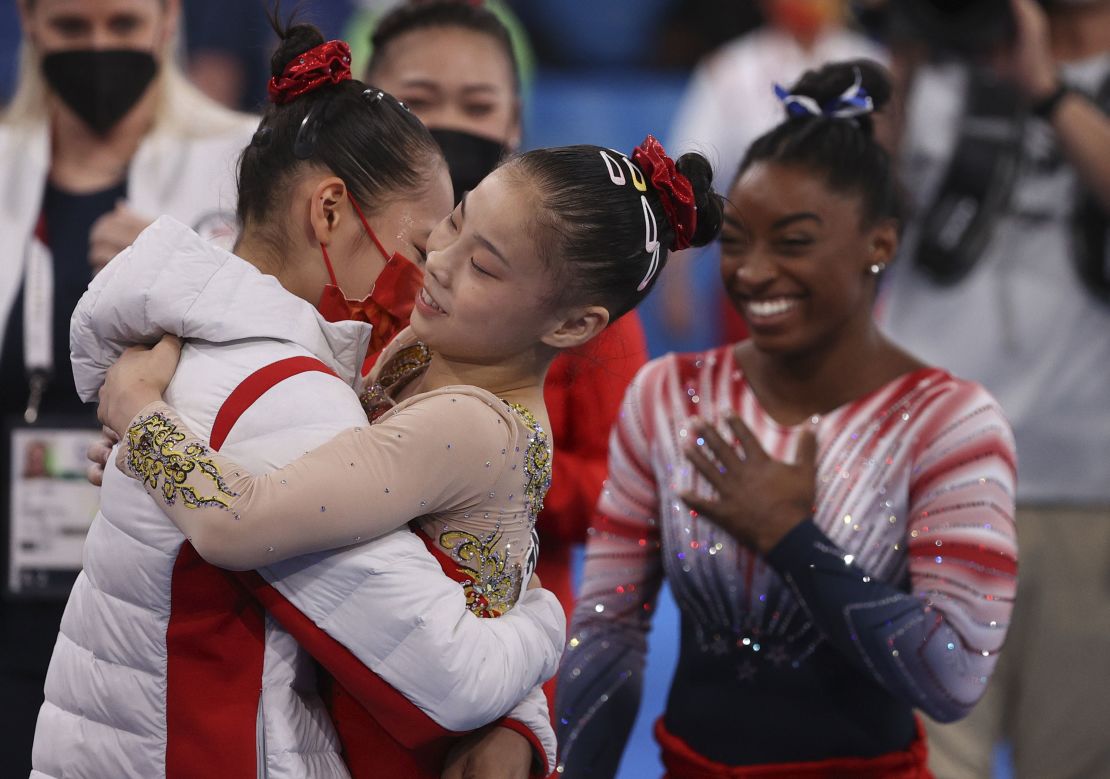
(49,504)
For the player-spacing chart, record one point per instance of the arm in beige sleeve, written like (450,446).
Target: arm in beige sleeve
(428,457)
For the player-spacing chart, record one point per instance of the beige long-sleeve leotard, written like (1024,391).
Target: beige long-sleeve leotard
(467,469)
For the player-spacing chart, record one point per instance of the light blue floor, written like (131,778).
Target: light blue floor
(641,757)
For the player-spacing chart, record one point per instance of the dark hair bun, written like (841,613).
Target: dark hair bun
(828,83)
(710,205)
(296,39)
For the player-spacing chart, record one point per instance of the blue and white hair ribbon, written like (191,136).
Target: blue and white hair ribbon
(852,102)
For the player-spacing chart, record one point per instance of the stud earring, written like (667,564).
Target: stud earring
(877,268)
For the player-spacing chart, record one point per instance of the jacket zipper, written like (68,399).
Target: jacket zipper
(260,741)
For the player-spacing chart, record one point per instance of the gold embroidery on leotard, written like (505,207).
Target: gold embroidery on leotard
(401,368)
(492,589)
(154,458)
(537,462)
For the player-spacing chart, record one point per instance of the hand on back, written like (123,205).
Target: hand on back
(138,378)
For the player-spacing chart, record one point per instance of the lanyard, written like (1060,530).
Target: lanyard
(38,324)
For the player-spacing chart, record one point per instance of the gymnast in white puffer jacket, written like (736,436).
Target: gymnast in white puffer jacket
(161,658)
(167,666)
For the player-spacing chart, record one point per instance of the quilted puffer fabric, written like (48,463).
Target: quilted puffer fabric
(119,694)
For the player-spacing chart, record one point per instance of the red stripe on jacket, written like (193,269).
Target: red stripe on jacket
(216,636)
(381,731)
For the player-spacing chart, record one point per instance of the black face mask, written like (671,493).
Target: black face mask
(100,86)
(470,158)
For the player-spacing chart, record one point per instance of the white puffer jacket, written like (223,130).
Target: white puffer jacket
(161,658)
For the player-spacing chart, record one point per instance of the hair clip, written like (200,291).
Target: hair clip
(262,137)
(373,95)
(304,144)
(322,112)
(651,242)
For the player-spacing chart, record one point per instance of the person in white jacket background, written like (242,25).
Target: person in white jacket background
(165,665)
(102,136)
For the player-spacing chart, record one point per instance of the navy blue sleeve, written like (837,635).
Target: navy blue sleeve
(889,633)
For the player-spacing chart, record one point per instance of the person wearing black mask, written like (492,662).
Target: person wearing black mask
(102,136)
(437,59)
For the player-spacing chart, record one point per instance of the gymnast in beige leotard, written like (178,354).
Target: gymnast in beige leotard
(471,468)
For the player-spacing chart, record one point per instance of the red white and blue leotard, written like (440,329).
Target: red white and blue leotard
(896,595)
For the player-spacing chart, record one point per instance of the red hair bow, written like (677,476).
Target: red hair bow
(328,63)
(675,191)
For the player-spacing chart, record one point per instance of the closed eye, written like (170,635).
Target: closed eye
(794,244)
(480,269)
(732,242)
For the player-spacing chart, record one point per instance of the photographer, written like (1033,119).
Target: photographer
(1005,281)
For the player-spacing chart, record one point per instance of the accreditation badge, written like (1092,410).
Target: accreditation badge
(50,503)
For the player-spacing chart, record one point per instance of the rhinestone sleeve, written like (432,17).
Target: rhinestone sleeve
(172,464)
(601,677)
(905,576)
(935,646)
(428,458)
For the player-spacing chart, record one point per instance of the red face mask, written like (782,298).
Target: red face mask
(804,19)
(389,305)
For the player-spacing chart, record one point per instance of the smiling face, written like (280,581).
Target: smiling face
(487,295)
(796,258)
(453,79)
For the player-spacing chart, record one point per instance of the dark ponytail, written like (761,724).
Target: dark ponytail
(592,229)
(843,150)
(362,135)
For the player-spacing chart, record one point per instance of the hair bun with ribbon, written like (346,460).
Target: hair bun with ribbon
(676,193)
(328,63)
(851,104)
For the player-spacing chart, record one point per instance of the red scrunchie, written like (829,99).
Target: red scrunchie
(328,63)
(675,191)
